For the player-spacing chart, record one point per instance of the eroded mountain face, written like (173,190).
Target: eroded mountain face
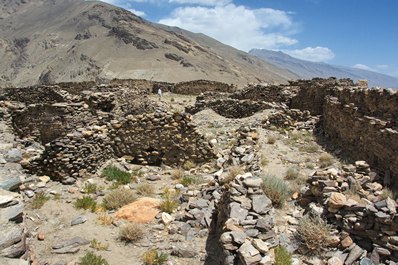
(51,41)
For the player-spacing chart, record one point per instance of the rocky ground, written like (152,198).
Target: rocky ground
(59,233)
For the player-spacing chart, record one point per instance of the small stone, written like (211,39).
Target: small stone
(29,193)
(238,237)
(261,204)
(253,182)
(226,238)
(391,205)
(248,254)
(13,156)
(337,200)
(346,242)
(44,179)
(184,252)
(69,181)
(265,224)
(179,186)
(335,261)
(76,241)
(153,177)
(366,261)
(166,218)
(40,236)
(236,211)
(260,245)
(78,220)
(354,254)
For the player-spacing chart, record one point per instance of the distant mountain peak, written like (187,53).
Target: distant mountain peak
(306,69)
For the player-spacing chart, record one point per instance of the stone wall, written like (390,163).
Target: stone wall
(201,86)
(365,216)
(82,127)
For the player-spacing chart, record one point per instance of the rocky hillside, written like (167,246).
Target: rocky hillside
(307,69)
(49,41)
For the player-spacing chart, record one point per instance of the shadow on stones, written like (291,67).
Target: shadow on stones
(213,248)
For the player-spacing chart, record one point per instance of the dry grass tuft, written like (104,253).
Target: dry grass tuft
(153,257)
(271,139)
(118,198)
(325,160)
(104,218)
(276,190)
(232,173)
(145,189)
(170,200)
(131,233)
(313,232)
(177,173)
(292,173)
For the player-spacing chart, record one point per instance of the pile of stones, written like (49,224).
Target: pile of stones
(290,119)
(353,200)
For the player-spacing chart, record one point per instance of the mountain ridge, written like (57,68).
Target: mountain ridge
(307,69)
(50,41)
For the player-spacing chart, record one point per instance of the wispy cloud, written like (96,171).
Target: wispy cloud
(313,54)
(363,67)
(202,2)
(237,26)
(137,12)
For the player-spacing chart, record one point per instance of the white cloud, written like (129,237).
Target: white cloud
(383,66)
(237,26)
(362,67)
(137,12)
(313,54)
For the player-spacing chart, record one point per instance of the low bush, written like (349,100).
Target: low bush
(113,173)
(40,199)
(145,189)
(118,198)
(90,188)
(104,218)
(309,148)
(153,257)
(271,139)
(325,160)
(131,233)
(86,203)
(170,200)
(177,173)
(189,180)
(98,245)
(189,164)
(276,189)
(282,256)
(292,173)
(91,259)
(232,173)
(313,232)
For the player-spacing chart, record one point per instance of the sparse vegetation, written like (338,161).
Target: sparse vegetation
(145,189)
(313,232)
(271,139)
(387,193)
(40,199)
(309,148)
(264,161)
(325,160)
(189,180)
(170,200)
(90,188)
(276,189)
(295,136)
(177,173)
(118,198)
(91,259)
(189,164)
(86,203)
(232,173)
(153,257)
(98,245)
(117,175)
(292,173)
(282,256)
(104,218)
(131,233)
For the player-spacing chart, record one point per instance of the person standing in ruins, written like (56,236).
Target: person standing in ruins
(160,93)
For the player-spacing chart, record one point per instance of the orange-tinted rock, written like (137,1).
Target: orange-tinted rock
(141,211)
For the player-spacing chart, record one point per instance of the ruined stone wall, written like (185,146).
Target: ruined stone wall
(269,93)
(362,122)
(81,130)
(366,217)
(201,86)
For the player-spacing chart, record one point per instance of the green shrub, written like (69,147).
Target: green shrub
(153,257)
(86,203)
(113,173)
(131,233)
(90,188)
(189,164)
(189,180)
(313,232)
(170,200)
(40,199)
(91,259)
(145,189)
(282,256)
(118,198)
(276,189)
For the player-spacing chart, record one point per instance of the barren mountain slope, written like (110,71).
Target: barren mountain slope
(45,41)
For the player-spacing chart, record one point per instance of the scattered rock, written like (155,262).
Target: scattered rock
(141,211)
(78,220)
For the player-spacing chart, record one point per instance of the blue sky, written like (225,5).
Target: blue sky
(357,33)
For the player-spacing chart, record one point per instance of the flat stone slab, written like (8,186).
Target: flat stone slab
(76,241)
(10,235)
(7,261)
